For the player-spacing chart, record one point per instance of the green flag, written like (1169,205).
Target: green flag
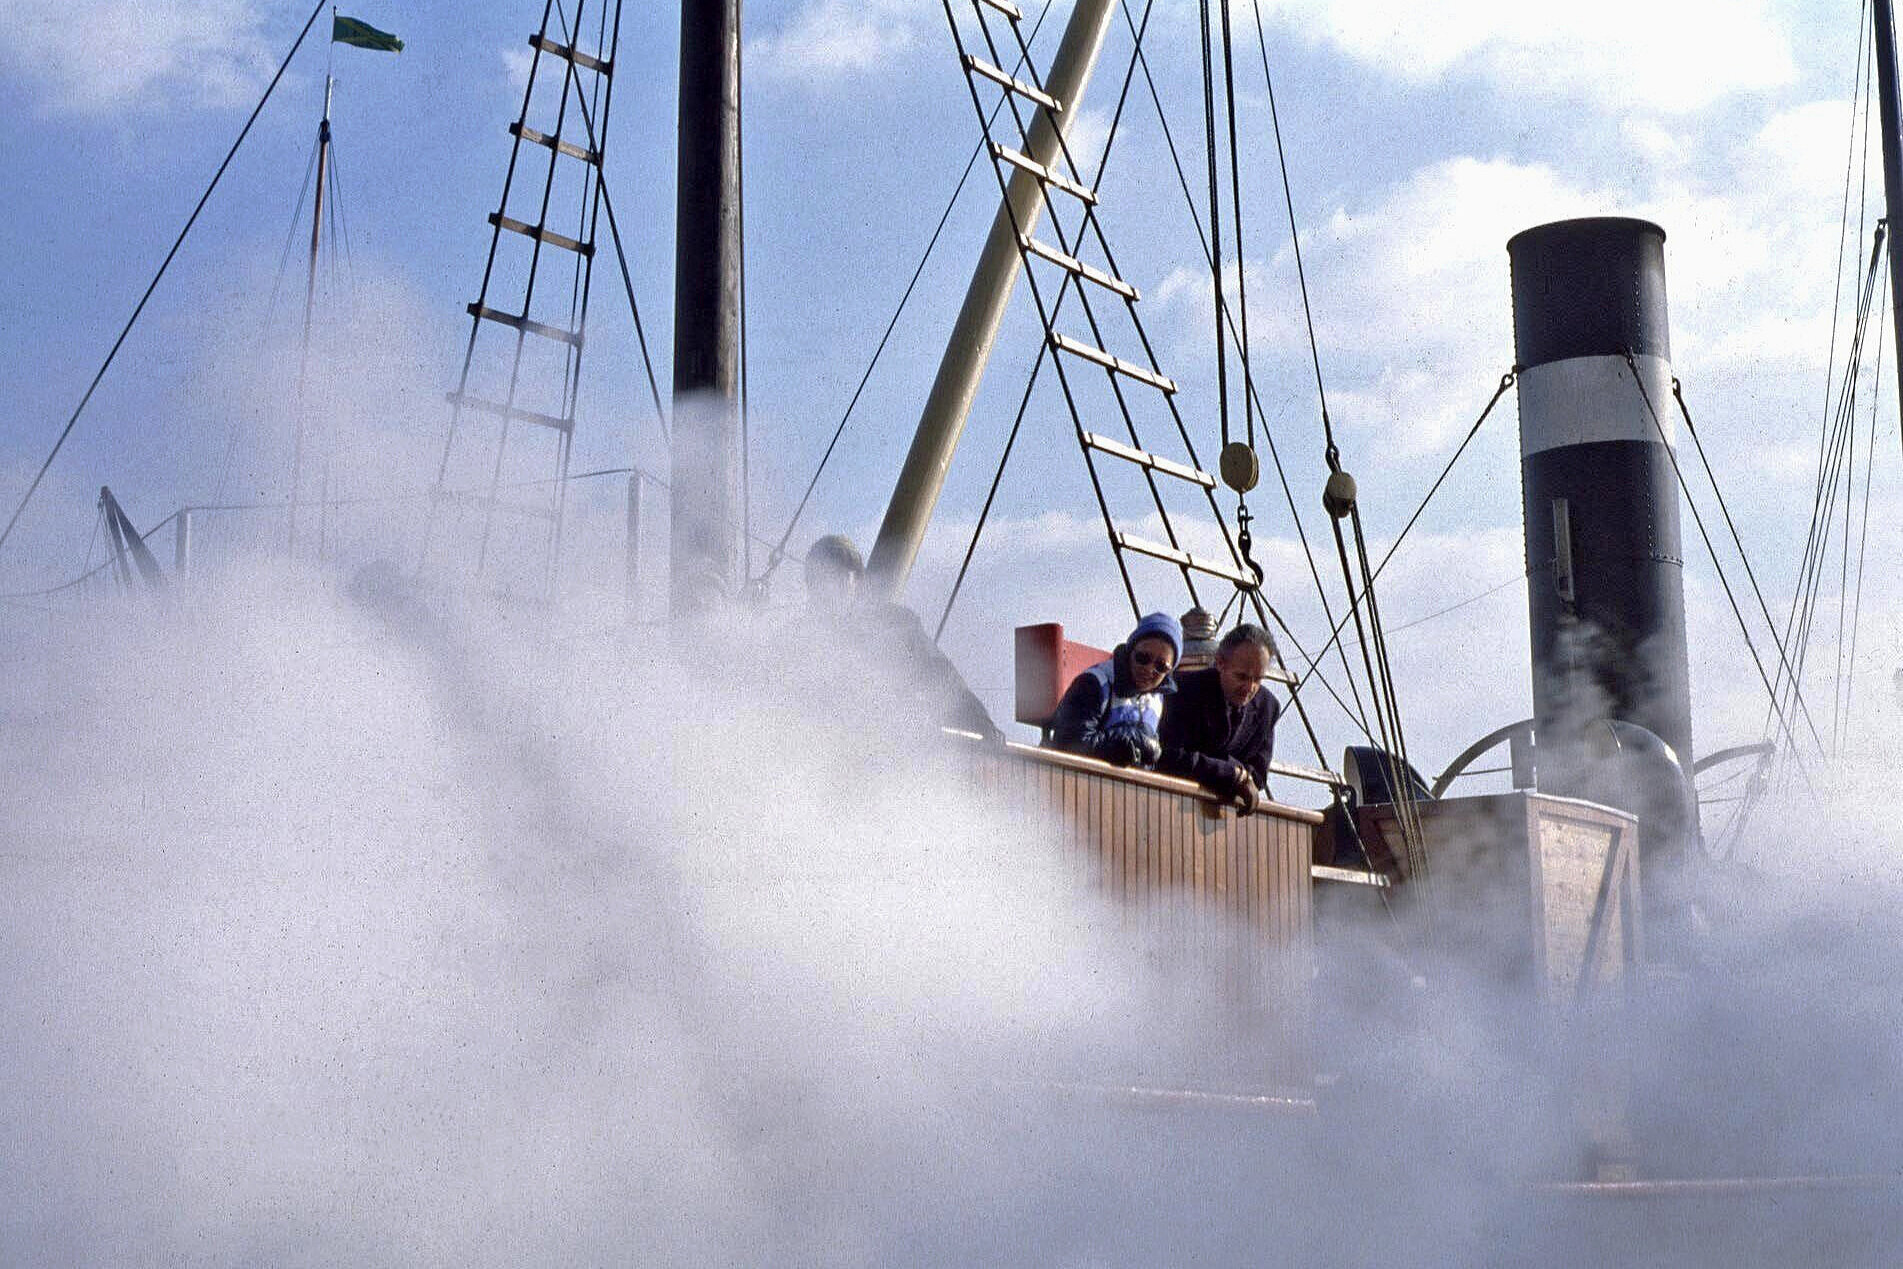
(350,31)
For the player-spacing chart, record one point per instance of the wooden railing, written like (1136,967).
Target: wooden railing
(1221,901)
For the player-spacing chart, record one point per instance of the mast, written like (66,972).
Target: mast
(1885,47)
(310,302)
(963,365)
(702,554)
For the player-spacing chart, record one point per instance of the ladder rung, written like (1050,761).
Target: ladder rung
(1072,264)
(509,411)
(1142,458)
(1317,775)
(573,151)
(1064,343)
(495,504)
(979,66)
(549,236)
(1026,163)
(1183,559)
(1005,7)
(485,313)
(538,40)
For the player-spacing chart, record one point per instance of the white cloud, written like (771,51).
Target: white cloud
(99,57)
(1670,55)
(516,63)
(826,40)
(1414,290)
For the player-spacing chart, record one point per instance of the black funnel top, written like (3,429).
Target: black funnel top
(1589,288)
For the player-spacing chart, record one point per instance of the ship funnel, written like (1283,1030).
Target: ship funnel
(1605,573)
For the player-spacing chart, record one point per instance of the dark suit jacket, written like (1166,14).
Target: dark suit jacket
(1203,739)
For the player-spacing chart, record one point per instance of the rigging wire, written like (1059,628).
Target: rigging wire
(1356,715)
(534,274)
(1090,225)
(1011,440)
(1829,434)
(165,264)
(1838,705)
(1093,225)
(1235,207)
(421,496)
(108,562)
(1737,541)
(779,551)
(1699,519)
(1334,635)
(1295,239)
(1800,620)
(1870,455)
(614,228)
(1488,593)
(270,310)
(594,196)
(1215,220)
(1859,95)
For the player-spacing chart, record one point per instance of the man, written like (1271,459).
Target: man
(1111,710)
(1219,728)
(891,636)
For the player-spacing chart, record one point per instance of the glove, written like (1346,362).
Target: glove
(1129,747)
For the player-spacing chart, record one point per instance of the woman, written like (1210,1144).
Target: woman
(1111,710)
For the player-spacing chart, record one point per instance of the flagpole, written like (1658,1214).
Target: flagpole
(310,302)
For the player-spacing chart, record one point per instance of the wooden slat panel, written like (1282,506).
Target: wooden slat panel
(1261,859)
(1223,899)
(1072,787)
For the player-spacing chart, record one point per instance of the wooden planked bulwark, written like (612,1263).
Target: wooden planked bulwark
(1222,897)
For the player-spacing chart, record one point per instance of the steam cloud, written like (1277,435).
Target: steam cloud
(333,936)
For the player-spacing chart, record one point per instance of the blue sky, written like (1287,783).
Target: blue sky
(1420,136)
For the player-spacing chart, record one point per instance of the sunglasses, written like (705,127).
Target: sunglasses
(1146,660)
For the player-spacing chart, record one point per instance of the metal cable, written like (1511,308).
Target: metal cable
(1803,601)
(1699,519)
(1091,225)
(163,266)
(488,273)
(1334,633)
(1357,715)
(1295,240)
(779,551)
(1731,526)
(1870,453)
(1017,423)
(1215,219)
(1235,208)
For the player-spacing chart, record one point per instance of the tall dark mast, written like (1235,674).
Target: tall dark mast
(706,441)
(1885,46)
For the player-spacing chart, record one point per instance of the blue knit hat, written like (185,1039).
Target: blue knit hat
(1160,625)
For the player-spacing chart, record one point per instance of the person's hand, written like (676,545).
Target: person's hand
(1121,749)
(1243,791)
